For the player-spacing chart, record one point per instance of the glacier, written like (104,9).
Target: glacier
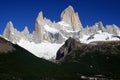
(43,50)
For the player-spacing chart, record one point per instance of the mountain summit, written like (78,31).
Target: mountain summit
(68,26)
(71,17)
(56,33)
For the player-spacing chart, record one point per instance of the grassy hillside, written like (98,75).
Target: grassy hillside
(94,63)
(19,64)
(22,65)
(97,59)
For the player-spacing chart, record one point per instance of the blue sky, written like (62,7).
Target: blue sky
(24,12)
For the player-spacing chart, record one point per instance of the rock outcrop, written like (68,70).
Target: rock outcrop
(70,17)
(5,46)
(9,30)
(10,33)
(71,47)
(113,29)
(14,35)
(45,31)
(38,33)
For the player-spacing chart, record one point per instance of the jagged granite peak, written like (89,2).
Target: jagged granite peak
(45,31)
(14,35)
(93,29)
(8,30)
(11,33)
(98,26)
(67,12)
(40,16)
(49,32)
(37,34)
(70,8)
(113,29)
(71,17)
(25,31)
(58,32)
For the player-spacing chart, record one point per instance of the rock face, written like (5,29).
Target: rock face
(38,33)
(71,18)
(45,31)
(58,32)
(9,30)
(10,33)
(69,46)
(113,29)
(25,31)
(72,45)
(97,27)
(5,46)
(14,35)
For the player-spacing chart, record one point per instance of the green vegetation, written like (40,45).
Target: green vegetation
(94,63)
(22,65)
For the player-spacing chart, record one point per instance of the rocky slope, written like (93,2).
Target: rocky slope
(100,47)
(19,64)
(5,46)
(98,59)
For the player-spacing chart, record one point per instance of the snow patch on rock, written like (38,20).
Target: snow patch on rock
(51,30)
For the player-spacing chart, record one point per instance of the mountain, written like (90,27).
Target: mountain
(99,36)
(79,64)
(18,64)
(61,50)
(96,60)
(71,17)
(54,34)
(44,50)
(5,46)
(14,35)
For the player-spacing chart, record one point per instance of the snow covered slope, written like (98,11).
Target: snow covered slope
(99,36)
(43,50)
(48,50)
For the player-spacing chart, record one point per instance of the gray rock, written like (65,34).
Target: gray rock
(72,18)
(113,29)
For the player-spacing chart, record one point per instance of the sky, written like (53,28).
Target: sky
(24,12)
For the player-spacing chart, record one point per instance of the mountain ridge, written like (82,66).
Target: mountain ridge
(19,64)
(52,33)
(68,26)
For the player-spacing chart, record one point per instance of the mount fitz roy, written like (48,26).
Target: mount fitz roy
(48,36)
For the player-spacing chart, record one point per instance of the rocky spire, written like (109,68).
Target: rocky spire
(97,27)
(40,16)
(70,17)
(26,31)
(100,26)
(8,30)
(38,33)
